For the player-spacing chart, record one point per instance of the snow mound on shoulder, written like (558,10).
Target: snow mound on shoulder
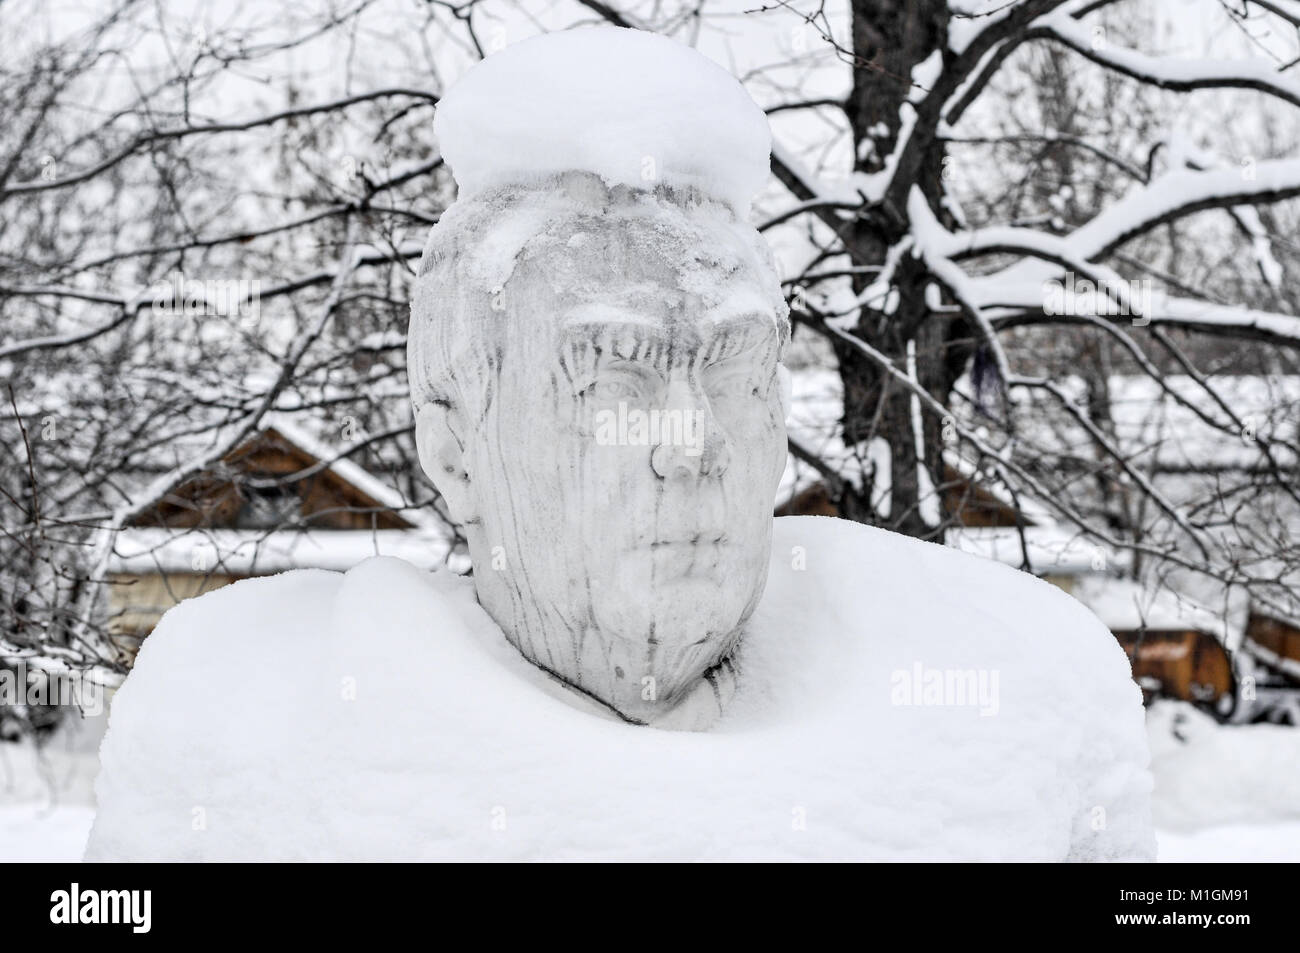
(635,108)
(995,716)
(380,715)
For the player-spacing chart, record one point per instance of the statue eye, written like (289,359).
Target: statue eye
(612,388)
(734,384)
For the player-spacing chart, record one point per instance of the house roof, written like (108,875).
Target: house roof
(429,541)
(1049,550)
(236,552)
(366,487)
(1178,427)
(352,473)
(1126,605)
(814,423)
(1280,602)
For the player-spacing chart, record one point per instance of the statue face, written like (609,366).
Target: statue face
(624,466)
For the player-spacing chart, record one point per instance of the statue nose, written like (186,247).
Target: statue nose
(692,444)
(709,456)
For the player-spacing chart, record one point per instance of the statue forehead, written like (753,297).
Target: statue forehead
(745,312)
(644,270)
(657,305)
(576,239)
(580,261)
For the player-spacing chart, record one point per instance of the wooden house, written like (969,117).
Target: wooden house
(278,501)
(1274,642)
(1177,647)
(1271,647)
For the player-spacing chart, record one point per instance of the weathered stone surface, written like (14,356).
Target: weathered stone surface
(597,387)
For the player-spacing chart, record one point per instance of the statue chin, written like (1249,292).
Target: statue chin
(682,599)
(652,643)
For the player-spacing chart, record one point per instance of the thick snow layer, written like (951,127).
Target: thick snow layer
(1275,843)
(1128,605)
(32,833)
(1049,549)
(46,794)
(1211,774)
(635,108)
(259,552)
(381,715)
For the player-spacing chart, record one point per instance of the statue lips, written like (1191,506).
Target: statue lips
(709,538)
(685,556)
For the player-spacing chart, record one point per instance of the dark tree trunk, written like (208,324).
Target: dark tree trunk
(890,38)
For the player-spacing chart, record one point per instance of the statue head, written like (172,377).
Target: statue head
(595,369)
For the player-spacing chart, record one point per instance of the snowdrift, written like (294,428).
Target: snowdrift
(899,701)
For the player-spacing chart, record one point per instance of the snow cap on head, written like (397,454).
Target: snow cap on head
(634,108)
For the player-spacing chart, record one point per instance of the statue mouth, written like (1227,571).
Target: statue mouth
(689,540)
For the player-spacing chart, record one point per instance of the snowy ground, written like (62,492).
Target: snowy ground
(1223,794)
(1252,843)
(28,832)
(33,833)
(47,802)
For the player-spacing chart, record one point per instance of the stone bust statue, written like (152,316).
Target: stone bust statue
(594,353)
(604,417)
(595,361)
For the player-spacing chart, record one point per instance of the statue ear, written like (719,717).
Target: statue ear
(442,455)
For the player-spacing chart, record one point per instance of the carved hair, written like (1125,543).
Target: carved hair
(472,252)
